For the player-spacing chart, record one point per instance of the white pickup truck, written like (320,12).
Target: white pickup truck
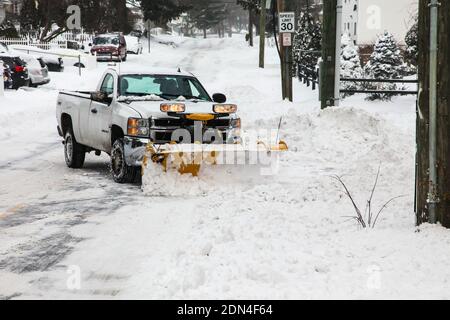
(134,107)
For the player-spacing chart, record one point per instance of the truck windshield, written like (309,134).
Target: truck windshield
(166,87)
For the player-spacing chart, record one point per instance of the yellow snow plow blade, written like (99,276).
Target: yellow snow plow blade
(189,158)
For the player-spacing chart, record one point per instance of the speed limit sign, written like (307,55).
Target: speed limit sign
(287,22)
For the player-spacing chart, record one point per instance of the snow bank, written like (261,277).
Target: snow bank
(287,237)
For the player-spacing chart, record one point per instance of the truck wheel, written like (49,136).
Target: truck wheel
(121,172)
(74,152)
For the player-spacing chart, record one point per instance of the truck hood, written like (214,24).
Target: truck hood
(149,109)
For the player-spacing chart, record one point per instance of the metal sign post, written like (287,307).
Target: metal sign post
(2,82)
(149,34)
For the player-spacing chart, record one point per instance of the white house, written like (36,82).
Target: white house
(2,10)
(363,20)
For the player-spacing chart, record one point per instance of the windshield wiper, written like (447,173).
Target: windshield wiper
(187,97)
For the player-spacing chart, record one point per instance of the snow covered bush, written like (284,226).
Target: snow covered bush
(369,218)
(350,64)
(386,62)
(412,50)
(308,37)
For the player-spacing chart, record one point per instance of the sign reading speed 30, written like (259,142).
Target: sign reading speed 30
(287,22)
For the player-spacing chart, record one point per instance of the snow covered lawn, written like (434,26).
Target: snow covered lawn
(285,236)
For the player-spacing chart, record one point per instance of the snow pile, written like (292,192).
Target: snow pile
(287,237)
(156,182)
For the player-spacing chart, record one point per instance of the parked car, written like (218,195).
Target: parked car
(7,80)
(71,57)
(110,47)
(37,70)
(136,33)
(133,107)
(18,69)
(53,61)
(134,45)
(3,48)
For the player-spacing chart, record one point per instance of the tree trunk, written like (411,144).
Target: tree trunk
(250,27)
(262,35)
(204,33)
(443,111)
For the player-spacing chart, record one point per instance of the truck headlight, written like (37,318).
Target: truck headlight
(236,123)
(173,107)
(225,108)
(138,127)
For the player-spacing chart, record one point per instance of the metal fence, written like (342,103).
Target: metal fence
(379,81)
(306,67)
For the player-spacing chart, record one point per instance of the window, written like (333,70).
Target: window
(166,87)
(102,40)
(108,85)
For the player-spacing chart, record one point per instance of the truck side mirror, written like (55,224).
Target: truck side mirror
(219,98)
(101,97)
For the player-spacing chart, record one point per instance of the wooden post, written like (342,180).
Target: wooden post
(327,86)
(289,6)
(280,8)
(443,112)
(262,33)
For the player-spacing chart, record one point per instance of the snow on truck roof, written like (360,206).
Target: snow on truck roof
(153,71)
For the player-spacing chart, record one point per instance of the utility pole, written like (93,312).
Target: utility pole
(329,54)
(262,33)
(2,86)
(149,34)
(280,8)
(337,64)
(433,123)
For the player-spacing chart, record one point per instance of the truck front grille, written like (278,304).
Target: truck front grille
(183,123)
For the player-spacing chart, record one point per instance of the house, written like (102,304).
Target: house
(11,6)
(364,20)
(3,4)
(136,17)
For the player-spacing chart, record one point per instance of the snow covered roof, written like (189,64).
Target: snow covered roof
(124,70)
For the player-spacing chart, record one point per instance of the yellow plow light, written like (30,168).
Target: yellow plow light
(173,107)
(200,117)
(225,108)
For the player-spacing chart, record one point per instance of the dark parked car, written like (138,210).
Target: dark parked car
(54,64)
(110,47)
(17,67)
(7,80)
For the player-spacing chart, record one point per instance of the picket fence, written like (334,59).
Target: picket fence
(61,42)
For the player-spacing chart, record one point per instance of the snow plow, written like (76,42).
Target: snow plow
(188,159)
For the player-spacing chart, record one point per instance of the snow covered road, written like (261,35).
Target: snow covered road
(76,234)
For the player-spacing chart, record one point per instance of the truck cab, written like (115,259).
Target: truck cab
(132,108)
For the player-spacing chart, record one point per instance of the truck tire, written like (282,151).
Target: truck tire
(74,153)
(121,172)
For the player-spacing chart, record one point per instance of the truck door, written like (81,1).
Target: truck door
(100,118)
